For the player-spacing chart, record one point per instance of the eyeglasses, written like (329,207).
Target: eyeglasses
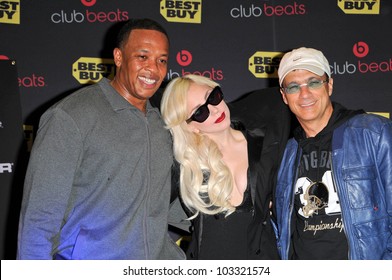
(295,88)
(202,113)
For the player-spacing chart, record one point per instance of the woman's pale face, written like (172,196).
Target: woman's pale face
(219,117)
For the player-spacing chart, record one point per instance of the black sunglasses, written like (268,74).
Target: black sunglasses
(202,113)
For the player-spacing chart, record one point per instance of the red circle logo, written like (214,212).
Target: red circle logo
(361,49)
(184,58)
(88,3)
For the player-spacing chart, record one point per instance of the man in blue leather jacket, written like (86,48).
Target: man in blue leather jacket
(334,190)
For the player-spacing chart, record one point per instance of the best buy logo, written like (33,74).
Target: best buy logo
(360,6)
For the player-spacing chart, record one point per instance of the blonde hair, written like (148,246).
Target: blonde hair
(197,154)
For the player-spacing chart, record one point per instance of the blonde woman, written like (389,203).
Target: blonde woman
(219,166)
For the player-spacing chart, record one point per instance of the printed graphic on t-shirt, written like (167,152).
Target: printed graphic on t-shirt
(317,197)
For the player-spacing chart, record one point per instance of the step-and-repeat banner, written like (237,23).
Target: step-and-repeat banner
(60,46)
(13,156)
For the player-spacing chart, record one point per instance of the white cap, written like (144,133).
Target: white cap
(305,59)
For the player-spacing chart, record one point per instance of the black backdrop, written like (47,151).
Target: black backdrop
(60,46)
(13,156)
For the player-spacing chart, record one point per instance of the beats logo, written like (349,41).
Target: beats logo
(184,58)
(88,3)
(360,49)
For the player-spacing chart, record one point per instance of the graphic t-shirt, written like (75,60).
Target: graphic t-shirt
(317,220)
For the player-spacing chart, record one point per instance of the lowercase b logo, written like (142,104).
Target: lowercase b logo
(184,58)
(361,49)
(88,3)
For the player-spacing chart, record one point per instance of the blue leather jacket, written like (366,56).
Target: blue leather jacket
(362,174)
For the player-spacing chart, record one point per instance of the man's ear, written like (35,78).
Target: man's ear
(330,86)
(283,96)
(117,56)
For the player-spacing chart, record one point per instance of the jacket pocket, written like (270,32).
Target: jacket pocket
(372,239)
(372,228)
(361,184)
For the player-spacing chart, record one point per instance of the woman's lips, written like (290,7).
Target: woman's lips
(221,118)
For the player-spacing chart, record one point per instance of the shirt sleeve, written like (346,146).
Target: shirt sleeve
(53,162)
